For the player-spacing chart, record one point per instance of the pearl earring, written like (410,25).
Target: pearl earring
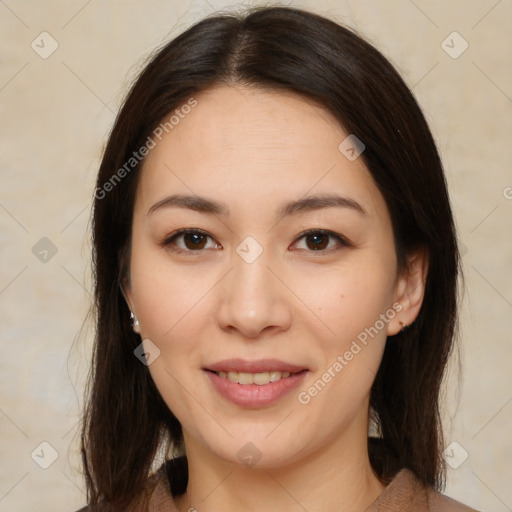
(135,322)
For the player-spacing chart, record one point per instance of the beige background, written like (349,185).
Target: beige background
(55,115)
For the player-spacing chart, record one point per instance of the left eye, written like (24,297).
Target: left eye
(320,240)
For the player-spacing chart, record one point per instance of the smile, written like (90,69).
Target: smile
(254,390)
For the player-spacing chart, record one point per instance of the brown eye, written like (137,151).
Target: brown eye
(190,240)
(321,241)
(194,241)
(317,241)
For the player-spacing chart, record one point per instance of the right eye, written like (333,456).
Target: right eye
(190,240)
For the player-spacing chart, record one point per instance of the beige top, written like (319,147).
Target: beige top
(404,493)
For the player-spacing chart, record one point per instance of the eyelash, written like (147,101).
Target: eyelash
(341,241)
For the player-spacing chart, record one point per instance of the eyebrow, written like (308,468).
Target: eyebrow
(211,207)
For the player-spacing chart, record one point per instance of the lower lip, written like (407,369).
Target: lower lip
(252,395)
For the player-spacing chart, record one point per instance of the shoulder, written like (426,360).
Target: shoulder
(406,493)
(442,503)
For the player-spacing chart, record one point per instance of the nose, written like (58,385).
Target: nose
(252,300)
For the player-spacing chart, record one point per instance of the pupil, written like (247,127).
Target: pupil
(319,241)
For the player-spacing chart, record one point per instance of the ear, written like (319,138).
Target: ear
(409,290)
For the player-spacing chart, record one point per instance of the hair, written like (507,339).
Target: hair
(288,50)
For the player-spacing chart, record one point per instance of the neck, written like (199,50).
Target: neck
(339,475)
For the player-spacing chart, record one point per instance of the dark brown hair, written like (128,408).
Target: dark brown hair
(280,49)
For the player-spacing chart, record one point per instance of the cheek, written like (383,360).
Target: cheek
(167,298)
(171,306)
(352,305)
(346,300)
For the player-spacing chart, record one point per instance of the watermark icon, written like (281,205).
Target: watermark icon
(304,397)
(249,249)
(463,249)
(351,147)
(44,250)
(147,352)
(137,156)
(507,192)
(455,455)
(249,455)
(454,45)
(44,455)
(44,45)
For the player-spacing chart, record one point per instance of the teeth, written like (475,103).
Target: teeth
(254,378)
(259,378)
(274,376)
(247,378)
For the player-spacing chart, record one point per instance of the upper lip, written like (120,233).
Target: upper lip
(254,366)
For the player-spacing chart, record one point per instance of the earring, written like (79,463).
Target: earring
(135,322)
(403,326)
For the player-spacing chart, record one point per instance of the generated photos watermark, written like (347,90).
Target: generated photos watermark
(304,397)
(164,127)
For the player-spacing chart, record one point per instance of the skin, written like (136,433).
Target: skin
(254,150)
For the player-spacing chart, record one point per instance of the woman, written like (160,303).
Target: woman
(276,272)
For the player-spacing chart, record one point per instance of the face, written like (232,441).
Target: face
(263,268)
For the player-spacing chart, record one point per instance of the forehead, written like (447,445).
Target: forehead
(250,144)
(229,123)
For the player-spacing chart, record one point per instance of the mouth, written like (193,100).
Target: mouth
(254,384)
